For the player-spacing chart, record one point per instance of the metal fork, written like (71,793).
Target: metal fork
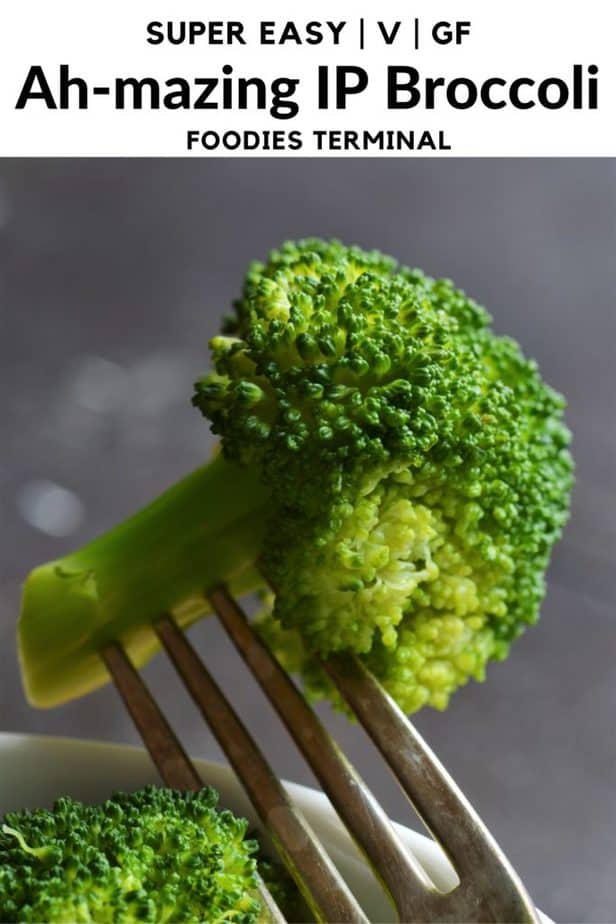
(489,890)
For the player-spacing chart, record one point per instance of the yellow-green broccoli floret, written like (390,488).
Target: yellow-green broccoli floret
(397,471)
(153,855)
(420,464)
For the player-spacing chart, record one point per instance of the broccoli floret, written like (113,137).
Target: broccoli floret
(408,470)
(153,855)
(420,464)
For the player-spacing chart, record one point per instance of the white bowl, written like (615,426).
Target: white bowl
(34,770)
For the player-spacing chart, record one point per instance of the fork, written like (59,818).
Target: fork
(489,890)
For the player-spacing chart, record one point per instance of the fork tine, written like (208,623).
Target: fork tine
(489,889)
(169,757)
(490,886)
(322,886)
(401,875)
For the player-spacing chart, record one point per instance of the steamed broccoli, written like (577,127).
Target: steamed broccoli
(397,471)
(154,855)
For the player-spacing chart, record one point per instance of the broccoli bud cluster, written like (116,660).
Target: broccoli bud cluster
(153,855)
(419,465)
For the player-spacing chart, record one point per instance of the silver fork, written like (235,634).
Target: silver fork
(489,890)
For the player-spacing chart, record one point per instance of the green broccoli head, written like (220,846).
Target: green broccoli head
(418,464)
(154,855)
(396,470)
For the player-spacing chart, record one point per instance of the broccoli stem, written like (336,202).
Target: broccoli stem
(204,530)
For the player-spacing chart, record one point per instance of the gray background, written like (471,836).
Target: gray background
(113,274)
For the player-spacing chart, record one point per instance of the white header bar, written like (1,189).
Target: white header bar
(422,78)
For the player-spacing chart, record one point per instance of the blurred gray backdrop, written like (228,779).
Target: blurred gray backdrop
(114,274)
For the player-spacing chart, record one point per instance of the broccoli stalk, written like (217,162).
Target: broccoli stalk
(206,529)
(411,473)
